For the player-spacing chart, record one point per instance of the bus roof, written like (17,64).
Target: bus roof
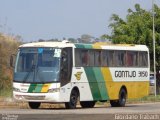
(98,45)
(48,44)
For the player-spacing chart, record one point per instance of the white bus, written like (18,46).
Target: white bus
(62,72)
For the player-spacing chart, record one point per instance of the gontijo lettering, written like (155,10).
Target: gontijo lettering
(125,73)
(131,74)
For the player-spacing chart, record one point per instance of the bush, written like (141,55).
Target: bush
(8,46)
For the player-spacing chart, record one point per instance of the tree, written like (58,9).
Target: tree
(85,38)
(137,29)
(72,40)
(105,38)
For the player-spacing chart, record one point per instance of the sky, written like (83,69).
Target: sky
(47,19)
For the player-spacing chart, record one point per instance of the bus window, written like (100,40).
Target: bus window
(91,58)
(47,59)
(120,58)
(78,57)
(132,59)
(105,58)
(143,59)
(66,66)
(85,57)
(97,58)
(111,58)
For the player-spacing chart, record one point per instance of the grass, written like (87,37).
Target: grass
(150,98)
(147,99)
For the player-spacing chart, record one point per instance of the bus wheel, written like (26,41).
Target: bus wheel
(121,101)
(87,104)
(122,98)
(34,105)
(73,100)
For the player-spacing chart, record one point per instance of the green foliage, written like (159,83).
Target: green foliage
(137,29)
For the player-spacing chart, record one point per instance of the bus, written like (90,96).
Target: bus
(63,72)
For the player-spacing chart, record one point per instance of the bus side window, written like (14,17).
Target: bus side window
(111,58)
(66,66)
(132,60)
(105,58)
(143,59)
(120,58)
(85,57)
(97,58)
(78,61)
(91,58)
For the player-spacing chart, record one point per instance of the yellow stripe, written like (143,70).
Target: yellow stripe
(95,46)
(45,87)
(111,44)
(112,92)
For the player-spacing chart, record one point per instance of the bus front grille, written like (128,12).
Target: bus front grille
(34,97)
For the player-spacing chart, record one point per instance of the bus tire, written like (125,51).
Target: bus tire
(122,99)
(87,104)
(73,100)
(114,103)
(34,105)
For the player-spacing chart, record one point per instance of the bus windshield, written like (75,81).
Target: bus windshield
(37,65)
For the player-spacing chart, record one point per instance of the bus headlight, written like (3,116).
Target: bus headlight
(16,89)
(54,90)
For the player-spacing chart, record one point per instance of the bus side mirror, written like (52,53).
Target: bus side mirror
(12,60)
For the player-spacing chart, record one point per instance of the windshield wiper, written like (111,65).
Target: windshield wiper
(37,70)
(28,74)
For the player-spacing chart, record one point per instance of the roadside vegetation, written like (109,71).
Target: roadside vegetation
(8,46)
(150,98)
(146,99)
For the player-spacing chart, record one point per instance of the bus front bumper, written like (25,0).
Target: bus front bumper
(37,97)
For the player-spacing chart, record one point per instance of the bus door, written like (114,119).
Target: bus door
(66,66)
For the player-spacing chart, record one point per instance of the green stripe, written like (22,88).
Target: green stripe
(38,88)
(97,83)
(101,83)
(31,88)
(35,88)
(88,46)
(79,45)
(93,83)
